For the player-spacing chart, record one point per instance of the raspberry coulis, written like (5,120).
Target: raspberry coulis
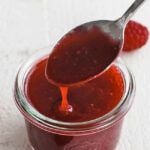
(88,101)
(81,102)
(80,55)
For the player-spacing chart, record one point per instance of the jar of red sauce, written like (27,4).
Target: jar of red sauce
(49,134)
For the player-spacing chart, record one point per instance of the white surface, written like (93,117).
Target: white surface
(26,25)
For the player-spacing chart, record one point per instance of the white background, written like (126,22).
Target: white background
(27,25)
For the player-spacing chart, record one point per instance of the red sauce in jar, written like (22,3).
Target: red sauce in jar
(70,63)
(88,101)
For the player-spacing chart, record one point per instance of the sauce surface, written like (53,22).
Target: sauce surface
(86,102)
(80,55)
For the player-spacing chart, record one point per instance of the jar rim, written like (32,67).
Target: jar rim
(47,123)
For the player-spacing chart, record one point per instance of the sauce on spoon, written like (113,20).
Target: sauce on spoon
(80,56)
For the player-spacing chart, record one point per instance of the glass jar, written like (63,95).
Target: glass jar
(49,134)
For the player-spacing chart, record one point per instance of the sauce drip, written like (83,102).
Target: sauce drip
(65,107)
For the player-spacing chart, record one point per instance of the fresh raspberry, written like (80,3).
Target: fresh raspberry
(136,35)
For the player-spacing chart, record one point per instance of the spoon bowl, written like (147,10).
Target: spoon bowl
(88,50)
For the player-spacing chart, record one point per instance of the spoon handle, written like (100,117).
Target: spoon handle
(129,13)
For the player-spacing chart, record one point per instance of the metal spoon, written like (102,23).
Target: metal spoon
(113,29)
